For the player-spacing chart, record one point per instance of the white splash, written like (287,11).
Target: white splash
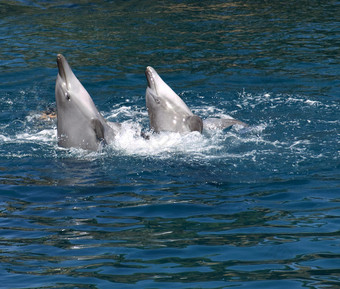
(129,141)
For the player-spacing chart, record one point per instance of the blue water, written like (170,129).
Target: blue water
(254,208)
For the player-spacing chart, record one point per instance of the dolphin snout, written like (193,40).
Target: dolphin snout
(61,66)
(149,76)
(152,77)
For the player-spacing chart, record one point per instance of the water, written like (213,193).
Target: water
(254,208)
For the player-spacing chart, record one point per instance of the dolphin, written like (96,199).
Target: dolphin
(79,123)
(168,112)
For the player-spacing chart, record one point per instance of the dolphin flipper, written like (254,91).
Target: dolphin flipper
(98,129)
(221,123)
(195,123)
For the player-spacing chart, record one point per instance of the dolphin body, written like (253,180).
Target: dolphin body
(79,123)
(168,112)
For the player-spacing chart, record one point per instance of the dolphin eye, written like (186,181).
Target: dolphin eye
(155,97)
(67,96)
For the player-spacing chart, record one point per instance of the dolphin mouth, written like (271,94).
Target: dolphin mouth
(149,77)
(64,71)
(152,88)
(61,66)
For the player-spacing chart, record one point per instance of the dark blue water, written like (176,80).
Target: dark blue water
(255,208)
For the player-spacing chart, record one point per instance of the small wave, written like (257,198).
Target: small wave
(125,113)
(45,136)
(4,138)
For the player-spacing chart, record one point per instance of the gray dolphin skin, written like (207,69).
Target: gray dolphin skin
(79,123)
(168,112)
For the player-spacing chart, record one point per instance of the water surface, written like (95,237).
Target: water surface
(254,208)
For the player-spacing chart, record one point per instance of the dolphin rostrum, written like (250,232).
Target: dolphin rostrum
(168,112)
(79,123)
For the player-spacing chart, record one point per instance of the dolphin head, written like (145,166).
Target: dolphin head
(79,123)
(167,111)
(70,93)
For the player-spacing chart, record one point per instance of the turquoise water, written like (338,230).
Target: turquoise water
(254,208)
